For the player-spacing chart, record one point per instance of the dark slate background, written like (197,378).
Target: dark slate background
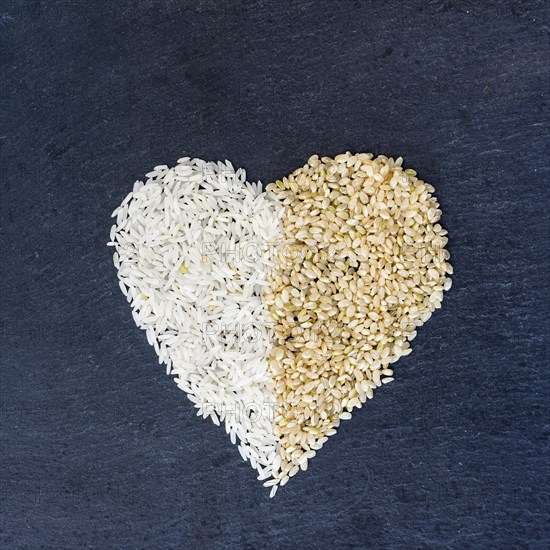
(99,447)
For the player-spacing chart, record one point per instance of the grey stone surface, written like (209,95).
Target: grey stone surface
(99,448)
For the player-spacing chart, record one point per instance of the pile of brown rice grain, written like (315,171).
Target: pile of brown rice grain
(362,265)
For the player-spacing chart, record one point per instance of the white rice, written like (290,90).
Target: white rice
(193,255)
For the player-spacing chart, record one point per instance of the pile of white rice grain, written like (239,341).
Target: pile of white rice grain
(193,254)
(281,312)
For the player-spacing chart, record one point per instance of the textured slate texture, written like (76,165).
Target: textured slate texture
(99,447)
